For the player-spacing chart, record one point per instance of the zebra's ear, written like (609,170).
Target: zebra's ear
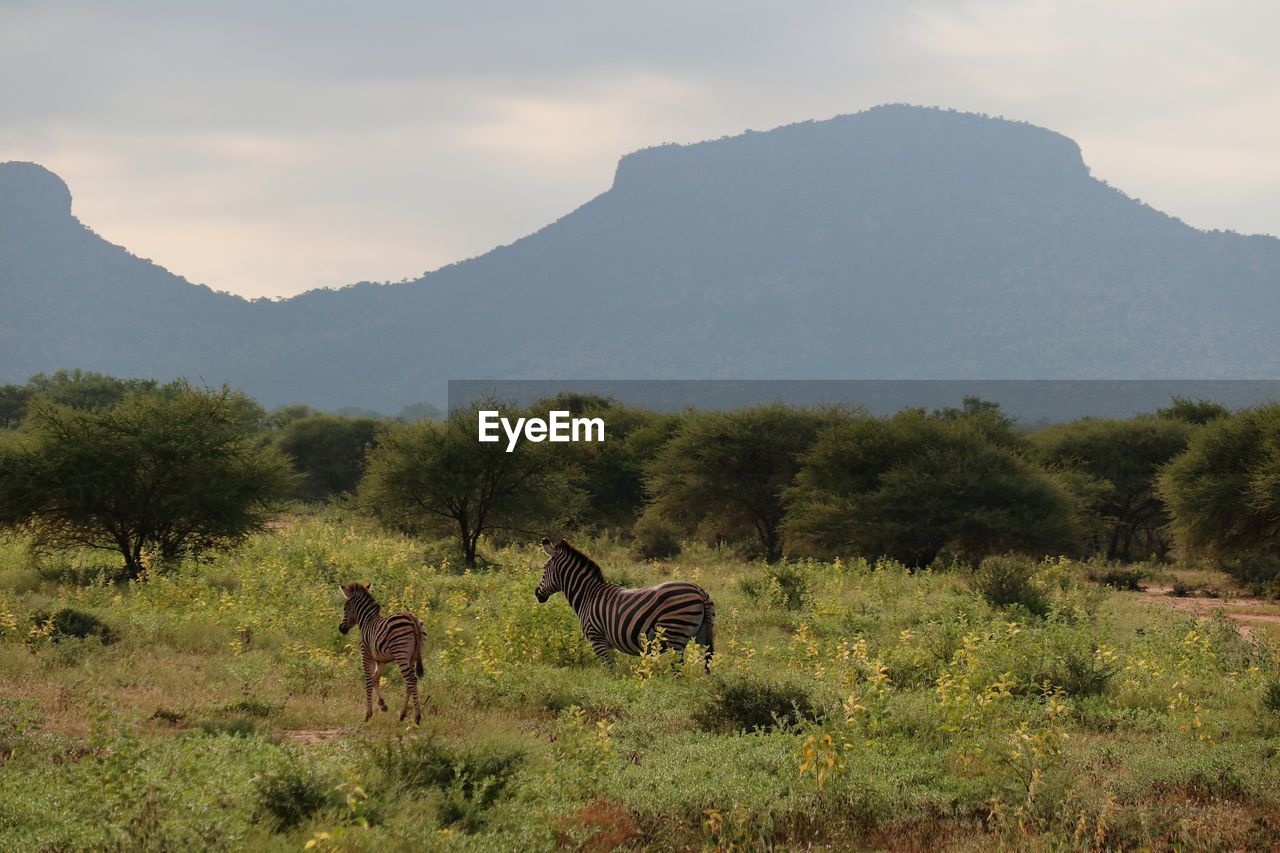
(346,590)
(548,547)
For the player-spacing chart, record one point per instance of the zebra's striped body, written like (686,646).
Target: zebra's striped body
(394,639)
(614,617)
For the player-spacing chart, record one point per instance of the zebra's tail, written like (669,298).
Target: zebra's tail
(417,651)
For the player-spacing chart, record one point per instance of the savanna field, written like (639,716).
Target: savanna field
(851,705)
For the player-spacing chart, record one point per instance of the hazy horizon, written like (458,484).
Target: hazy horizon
(266,153)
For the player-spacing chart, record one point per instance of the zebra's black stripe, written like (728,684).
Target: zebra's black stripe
(614,617)
(394,639)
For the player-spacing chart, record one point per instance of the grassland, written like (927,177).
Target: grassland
(852,705)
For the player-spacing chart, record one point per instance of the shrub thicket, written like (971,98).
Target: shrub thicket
(746,703)
(69,622)
(291,794)
(1011,579)
(913,486)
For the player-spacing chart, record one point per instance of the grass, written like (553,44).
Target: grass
(852,704)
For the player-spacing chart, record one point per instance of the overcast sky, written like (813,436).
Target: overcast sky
(266,151)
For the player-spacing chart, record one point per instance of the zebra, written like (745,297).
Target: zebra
(614,617)
(394,639)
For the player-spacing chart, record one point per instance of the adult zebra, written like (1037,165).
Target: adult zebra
(614,617)
(394,639)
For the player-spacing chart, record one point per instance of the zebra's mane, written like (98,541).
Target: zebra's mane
(359,591)
(582,560)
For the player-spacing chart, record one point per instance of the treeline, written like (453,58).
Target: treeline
(155,472)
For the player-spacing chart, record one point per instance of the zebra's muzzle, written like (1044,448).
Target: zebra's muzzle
(541,596)
(344,628)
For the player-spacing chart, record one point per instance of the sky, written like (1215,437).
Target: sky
(270,148)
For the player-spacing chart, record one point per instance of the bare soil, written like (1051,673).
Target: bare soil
(1247,612)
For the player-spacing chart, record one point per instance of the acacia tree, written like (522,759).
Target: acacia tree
(910,486)
(13,405)
(1223,493)
(1189,411)
(328,451)
(613,470)
(436,477)
(1122,459)
(171,474)
(729,469)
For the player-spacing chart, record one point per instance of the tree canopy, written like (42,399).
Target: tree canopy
(728,470)
(1122,459)
(436,477)
(328,451)
(168,474)
(914,485)
(1223,493)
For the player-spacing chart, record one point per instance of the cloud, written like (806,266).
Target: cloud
(270,148)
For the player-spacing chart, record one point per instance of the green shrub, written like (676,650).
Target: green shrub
(291,794)
(783,585)
(748,703)
(1260,576)
(655,538)
(1076,666)
(1271,696)
(69,622)
(1011,579)
(470,780)
(1118,577)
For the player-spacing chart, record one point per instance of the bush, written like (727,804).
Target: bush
(1261,576)
(470,781)
(69,622)
(655,539)
(1076,666)
(748,703)
(783,585)
(291,794)
(1008,580)
(1118,577)
(1271,696)
(913,486)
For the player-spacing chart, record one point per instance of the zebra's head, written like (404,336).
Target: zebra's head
(358,601)
(551,581)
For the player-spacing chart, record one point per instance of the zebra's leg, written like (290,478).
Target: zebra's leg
(367,662)
(678,646)
(410,692)
(603,650)
(377,684)
(707,641)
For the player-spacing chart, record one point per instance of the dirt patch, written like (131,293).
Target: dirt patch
(315,735)
(1242,610)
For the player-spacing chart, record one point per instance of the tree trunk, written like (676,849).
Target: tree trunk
(132,562)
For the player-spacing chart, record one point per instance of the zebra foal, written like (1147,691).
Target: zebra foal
(614,617)
(394,639)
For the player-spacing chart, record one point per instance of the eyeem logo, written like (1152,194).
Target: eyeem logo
(557,427)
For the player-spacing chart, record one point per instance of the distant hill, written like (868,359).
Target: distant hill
(901,242)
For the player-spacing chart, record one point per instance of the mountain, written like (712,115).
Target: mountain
(901,242)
